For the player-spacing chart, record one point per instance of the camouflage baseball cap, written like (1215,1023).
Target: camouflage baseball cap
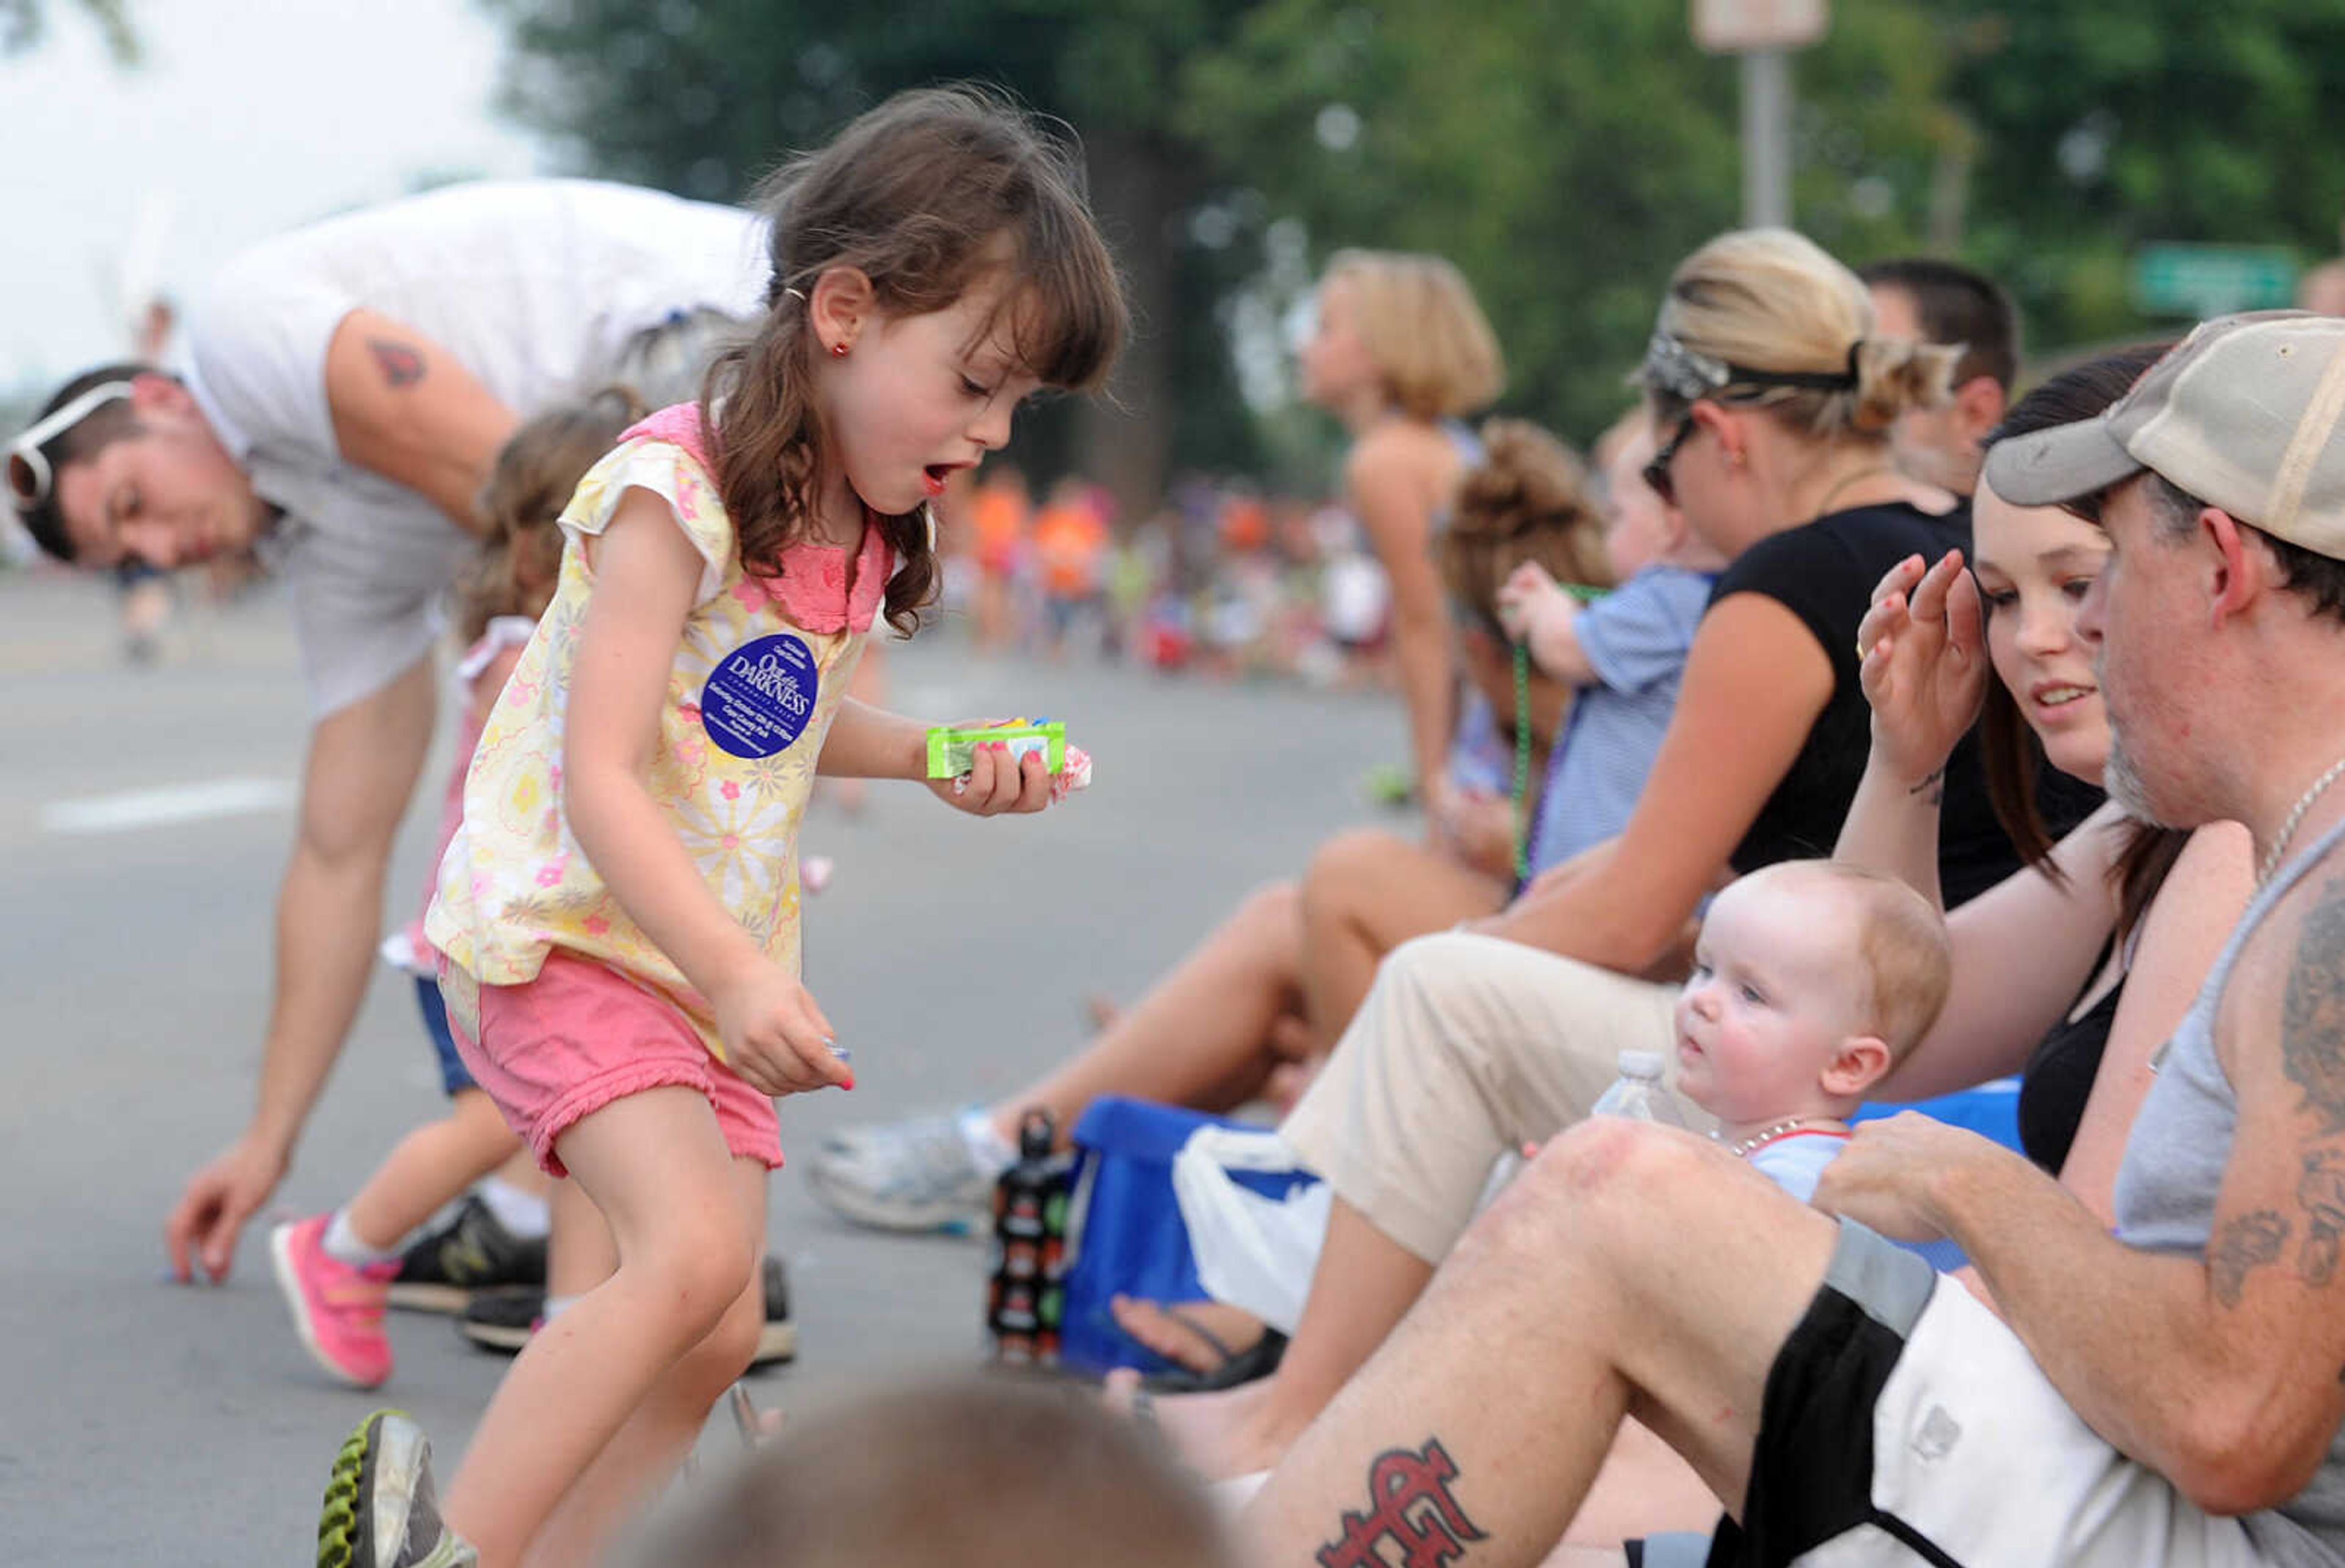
(2243,414)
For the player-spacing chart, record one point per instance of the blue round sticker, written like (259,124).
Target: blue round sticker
(760,697)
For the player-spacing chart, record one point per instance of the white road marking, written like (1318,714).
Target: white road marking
(129,810)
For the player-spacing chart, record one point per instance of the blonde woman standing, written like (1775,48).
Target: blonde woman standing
(1400,353)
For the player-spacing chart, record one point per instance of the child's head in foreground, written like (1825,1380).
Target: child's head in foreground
(932,265)
(957,1472)
(1812,979)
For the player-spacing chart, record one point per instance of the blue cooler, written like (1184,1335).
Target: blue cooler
(1124,1232)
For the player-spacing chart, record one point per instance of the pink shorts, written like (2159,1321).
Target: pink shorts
(580,1036)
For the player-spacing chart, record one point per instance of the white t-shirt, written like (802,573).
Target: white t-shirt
(535,286)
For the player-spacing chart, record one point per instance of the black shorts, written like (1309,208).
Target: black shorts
(1905,1423)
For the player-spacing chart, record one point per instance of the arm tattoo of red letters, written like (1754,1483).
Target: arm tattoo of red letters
(400,365)
(1411,1507)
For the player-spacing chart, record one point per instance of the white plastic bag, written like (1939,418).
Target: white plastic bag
(1252,1251)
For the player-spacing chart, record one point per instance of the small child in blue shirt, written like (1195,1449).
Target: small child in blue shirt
(1625,652)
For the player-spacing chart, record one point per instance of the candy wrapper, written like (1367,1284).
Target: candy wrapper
(951,750)
(1075,775)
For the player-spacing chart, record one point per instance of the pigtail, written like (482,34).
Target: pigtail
(912,536)
(766,457)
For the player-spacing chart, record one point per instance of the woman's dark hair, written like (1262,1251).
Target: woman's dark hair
(931,194)
(2012,754)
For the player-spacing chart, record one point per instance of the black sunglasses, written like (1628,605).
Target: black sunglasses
(1656,472)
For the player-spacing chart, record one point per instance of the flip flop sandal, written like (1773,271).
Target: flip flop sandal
(1258,1360)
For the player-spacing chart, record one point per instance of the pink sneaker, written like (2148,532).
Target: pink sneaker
(338,1309)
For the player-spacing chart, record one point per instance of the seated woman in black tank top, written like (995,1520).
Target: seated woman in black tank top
(2078,967)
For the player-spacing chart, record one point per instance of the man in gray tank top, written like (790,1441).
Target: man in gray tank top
(2169,1394)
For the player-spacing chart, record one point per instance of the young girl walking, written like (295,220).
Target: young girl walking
(336,1269)
(620,910)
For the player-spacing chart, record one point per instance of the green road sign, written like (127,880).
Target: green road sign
(2202,280)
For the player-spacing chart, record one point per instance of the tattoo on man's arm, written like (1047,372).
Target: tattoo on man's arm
(2321,1190)
(401,364)
(2242,1247)
(1410,1508)
(2312,1018)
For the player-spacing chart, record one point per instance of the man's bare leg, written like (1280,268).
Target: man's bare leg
(1363,1284)
(1633,1269)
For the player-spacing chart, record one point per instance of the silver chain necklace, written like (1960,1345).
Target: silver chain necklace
(2295,816)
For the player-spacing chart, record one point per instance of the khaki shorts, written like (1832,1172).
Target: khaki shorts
(1468,1047)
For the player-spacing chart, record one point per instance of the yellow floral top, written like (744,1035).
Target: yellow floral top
(759,675)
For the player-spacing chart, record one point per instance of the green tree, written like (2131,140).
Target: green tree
(1564,153)
(2104,126)
(704,96)
(23,23)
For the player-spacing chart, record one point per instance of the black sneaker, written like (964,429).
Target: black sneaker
(471,1251)
(503,1321)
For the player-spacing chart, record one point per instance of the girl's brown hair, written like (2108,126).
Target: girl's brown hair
(931,194)
(1527,499)
(2010,753)
(539,466)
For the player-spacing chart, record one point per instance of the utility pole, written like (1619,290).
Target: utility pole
(1763,33)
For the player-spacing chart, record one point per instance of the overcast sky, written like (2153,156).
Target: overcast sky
(249,117)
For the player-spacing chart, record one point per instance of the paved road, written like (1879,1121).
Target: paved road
(142,1422)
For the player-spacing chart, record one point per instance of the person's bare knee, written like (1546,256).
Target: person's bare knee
(704,1372)
(692,1263)
(1270,906)
(1272,920)
(705,1265)
(1343,866)
(1594,1198)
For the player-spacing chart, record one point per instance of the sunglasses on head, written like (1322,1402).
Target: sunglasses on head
(30,477)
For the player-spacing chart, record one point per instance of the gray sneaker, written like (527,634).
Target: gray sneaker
(381,1509)
(915,1175)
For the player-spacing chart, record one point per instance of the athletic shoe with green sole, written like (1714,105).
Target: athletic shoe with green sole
(381,1509)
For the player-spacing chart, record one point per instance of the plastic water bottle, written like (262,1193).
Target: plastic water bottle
(1638,1094)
